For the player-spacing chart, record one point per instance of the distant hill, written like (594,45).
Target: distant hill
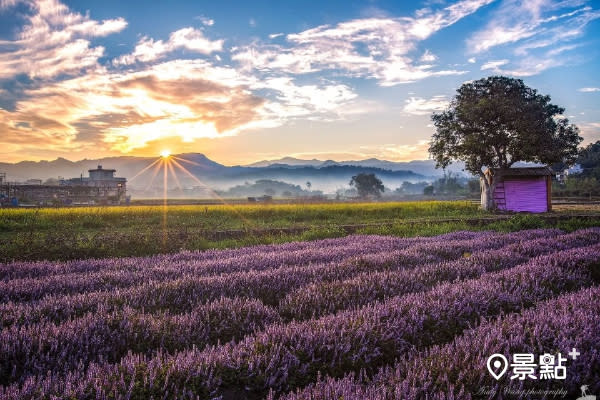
(291,161)
(326,176)
(421,167)
(126,166)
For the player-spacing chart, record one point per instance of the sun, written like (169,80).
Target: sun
(165,153)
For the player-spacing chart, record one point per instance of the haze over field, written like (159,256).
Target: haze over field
(261,80)
(324,175)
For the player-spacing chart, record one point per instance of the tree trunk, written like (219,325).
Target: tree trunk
(487,193)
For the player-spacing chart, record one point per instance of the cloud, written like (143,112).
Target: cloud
(536,23)
(378,48)
(4,4)
(146,50)
(193,39)
(428,57)
(388,151)
(181,99)
(53,41)
(318,102)
(275,35)
(589,89)
(561,49)
(494,65)
(525,67)
(472,60)
(149,49)
(421,106)
(590,131)
(205,21)
(125,111)
(397,152)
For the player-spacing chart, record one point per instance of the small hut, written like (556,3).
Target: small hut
(522,189)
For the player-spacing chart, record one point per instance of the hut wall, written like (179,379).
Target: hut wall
(526,194)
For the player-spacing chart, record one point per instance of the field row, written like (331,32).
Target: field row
(284,323)
(458,369)
(217,261)
(258,277)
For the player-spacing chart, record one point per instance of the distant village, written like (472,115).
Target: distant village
(101,187)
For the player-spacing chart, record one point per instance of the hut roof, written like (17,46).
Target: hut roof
(522,171)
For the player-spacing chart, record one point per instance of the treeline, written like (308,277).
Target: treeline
(585,182)
(268,187)
(448,185)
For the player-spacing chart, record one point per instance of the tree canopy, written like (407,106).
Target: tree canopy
(367,185)
(496,121)
(589,160)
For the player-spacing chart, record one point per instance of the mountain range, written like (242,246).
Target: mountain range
(421,167)
(325,175)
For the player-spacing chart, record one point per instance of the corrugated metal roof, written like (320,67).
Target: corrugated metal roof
(521,171)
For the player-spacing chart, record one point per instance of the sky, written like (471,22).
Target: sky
(243,81)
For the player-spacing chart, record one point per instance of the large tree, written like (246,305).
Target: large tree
(367,184)
(497,121)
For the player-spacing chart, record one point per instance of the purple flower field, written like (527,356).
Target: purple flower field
(359,317)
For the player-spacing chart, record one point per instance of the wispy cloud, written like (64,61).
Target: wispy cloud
(542,29)
(494,65)
(377,48)
(397,152)
(53,41)
(518,20)
(149,49)
(590,131)
(589,89)
(291,100)
(205,20)
(387,151)
(421,106)
(525,67)
(428,57)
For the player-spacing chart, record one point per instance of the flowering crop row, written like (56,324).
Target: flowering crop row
(267,284)
(146,270)
(109,333)
(110,336)
(458,370)
(139,270)
(211,261)
(324,298)
(19,270)
(288,356)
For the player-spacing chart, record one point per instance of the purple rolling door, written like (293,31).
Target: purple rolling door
(526,195)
